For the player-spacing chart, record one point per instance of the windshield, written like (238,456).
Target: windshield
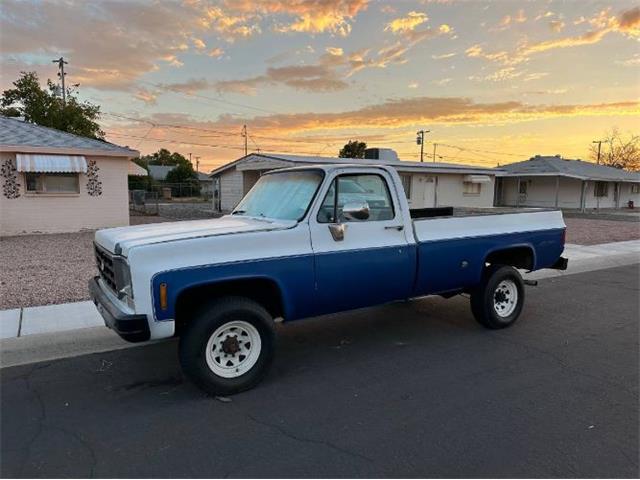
(283,196)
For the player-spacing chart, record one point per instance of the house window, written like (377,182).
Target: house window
(601,189)
(522,190)
(470,188)
(52,182)
(406,184)
(635,188)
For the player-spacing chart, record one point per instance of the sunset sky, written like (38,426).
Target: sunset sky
(495,82)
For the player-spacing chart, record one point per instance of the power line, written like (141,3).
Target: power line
(168,88)
(171,125)
(294,140)
(164,140)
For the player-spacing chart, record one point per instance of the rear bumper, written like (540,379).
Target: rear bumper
(132,328)
(561,264)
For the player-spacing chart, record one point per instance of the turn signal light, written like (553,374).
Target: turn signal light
(163,296)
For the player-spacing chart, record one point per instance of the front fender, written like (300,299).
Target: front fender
(293,276)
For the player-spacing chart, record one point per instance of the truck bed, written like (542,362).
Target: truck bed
(452,250)
(440,212)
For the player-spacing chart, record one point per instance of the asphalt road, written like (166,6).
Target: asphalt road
(405,390)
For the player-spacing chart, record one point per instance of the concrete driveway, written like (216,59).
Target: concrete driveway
(406,390)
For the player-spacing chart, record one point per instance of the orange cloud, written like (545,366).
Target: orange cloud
(415,111)
(316,78)
(407,23)
(146,36)
(311,16)
(335,51)
(216,52)
(626,23)
(556,25)
(146,96)
(198,43)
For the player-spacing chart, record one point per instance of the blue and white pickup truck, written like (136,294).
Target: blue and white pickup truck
(296,247)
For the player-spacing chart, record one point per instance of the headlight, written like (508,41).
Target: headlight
(123,279)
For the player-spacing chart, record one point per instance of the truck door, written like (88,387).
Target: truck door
(361,252)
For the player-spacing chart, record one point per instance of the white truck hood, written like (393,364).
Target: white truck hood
(120,240)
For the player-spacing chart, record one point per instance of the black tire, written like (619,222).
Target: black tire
(199,330)
(483,297)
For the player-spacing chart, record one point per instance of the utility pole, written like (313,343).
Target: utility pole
(599,142)
(434,152)
(420,141)
(244,134)
(190,158)
(197,164)
(61,63)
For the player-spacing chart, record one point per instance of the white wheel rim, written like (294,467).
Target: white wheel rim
(505,298)
(233,349)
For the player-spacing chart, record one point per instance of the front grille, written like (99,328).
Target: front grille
(104,261)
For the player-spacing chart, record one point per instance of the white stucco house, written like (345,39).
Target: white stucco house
(559,182)
(426,184)
(53,181)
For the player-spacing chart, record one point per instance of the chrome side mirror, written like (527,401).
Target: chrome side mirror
(337,231)
(356,210)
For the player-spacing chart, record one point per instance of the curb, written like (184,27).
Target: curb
(21,322)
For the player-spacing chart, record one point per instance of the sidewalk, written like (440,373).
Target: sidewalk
(78,327)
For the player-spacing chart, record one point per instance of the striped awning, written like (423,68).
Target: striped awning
(477,178)
(27,162)
(136,170)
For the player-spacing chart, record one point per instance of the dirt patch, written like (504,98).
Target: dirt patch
(590,231)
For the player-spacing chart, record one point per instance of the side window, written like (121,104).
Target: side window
(367,188)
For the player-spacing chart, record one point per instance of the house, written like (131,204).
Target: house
(206,184)
(54,181)
(559,182)
(160,172)
(426,184)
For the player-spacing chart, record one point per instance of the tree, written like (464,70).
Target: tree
(181,174)
(45,107)
(185,175)
(618,151)
(353,149)
(165,157)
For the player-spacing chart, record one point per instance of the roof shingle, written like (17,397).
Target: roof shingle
(540,165)
(17,133)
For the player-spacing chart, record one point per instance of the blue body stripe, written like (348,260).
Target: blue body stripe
(344,280)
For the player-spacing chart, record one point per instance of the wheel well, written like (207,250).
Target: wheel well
(261,290)
(519,257)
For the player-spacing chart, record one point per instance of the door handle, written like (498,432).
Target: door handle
(395,227)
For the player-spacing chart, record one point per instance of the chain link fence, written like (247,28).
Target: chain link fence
(142,202)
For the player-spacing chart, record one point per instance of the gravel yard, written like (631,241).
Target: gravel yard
(55,268)
(49,269)
(593,231)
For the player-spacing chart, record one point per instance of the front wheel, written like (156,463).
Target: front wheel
(228,347)
(497,302)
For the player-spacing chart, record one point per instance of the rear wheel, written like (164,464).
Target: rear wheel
(497,302)
(228,347)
